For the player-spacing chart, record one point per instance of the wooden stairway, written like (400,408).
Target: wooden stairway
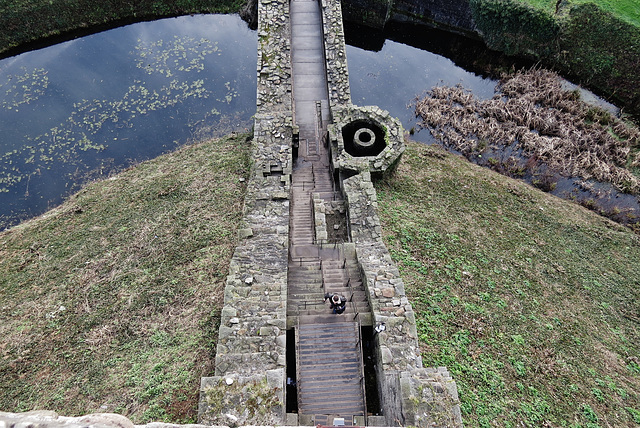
(329,377)
(329,365)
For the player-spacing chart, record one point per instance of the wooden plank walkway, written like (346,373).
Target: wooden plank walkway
(329,369)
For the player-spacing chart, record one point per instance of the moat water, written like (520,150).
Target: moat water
(87,108)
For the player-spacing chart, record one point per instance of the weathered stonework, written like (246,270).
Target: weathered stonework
(394,139)
(335,54)
(409,393)
(453,15)
(49,419)
(248,386)
(274,56)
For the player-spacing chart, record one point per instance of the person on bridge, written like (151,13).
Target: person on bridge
(337,302)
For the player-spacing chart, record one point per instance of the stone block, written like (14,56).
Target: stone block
(388,292)
(275,378)
(387,356)
(245,233)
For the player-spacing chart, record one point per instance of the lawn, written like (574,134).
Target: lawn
(628,10)
(530,301)
(110,302)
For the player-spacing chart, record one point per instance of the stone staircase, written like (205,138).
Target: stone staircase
(328,347)
(329,270)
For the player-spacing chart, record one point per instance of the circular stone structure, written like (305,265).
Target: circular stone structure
(365,139)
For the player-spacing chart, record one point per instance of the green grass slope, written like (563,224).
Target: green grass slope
(627,10)
(530,301)
(110,302)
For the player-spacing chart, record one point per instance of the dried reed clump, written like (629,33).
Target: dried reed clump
(534,112)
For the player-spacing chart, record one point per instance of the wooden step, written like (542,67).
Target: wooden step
(329,367)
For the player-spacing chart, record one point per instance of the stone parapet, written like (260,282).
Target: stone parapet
(410,393)
(274,56)
(398,343)
(251,349)
(430,397)
(249,382)
(49,419)
(335,54)
(237,399)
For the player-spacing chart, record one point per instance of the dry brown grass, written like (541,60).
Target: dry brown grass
(532,111)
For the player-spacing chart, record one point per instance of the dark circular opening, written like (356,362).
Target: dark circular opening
(363,138)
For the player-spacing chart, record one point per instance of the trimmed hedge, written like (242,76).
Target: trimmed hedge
(583,41)
(515,28)
(603,51)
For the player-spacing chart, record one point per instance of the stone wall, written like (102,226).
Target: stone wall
(335,53)
(409,393)
(378,164)
(49,419)
(248,386)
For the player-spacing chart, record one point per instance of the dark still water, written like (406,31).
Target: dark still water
(391,74)
(84,108)
(389,69)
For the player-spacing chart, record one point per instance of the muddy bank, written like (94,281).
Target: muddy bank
(535,129)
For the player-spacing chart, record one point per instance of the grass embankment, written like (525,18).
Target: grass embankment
(110,302)
(530,301)
(626,10)
(596,42)
(25,21)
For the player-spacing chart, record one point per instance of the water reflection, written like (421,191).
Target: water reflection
(83,108)
(391,74)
